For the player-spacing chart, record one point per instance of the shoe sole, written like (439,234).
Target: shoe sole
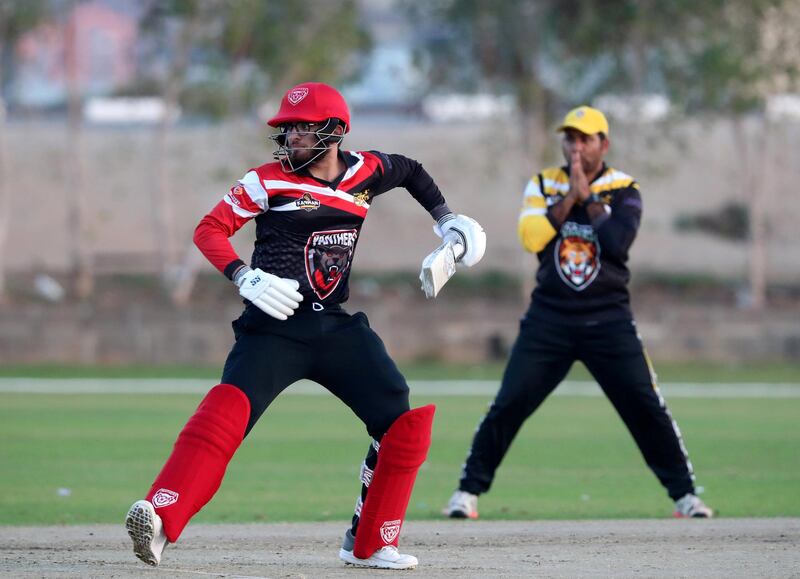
(350,559)
(141,529)
(462,515)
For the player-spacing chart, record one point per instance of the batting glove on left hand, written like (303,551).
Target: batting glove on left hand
(470,235)
(273,295)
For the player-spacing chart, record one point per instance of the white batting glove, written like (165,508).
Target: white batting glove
(273,295)
(469,233)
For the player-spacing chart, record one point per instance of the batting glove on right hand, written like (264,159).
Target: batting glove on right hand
(273,295)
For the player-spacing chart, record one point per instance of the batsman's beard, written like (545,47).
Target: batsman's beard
(295,158)
(299,157)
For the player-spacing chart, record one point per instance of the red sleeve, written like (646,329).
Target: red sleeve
(212,233)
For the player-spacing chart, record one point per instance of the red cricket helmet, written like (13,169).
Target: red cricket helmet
(312,102)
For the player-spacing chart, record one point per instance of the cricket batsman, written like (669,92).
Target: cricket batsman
(309,208)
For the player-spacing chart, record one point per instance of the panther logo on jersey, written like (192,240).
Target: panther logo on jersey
(577,255)
(328,258)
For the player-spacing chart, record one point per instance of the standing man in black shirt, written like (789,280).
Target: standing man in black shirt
(580,220)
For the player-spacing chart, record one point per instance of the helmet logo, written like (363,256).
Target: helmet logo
(295,95)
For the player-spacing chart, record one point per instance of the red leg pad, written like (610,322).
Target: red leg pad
(194,470)
(403,449)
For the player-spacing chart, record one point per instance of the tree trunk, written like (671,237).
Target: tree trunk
(162,199)
(5,201)
(748,142)
(81,257)
(758,225)
(538,143)
(186,276)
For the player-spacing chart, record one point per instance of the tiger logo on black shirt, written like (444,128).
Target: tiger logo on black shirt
(577,255)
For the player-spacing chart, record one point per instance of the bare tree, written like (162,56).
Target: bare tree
(5,205)
(289,42)
(717,57)
(15,19)
(162,194)
(778,56)
(81,252)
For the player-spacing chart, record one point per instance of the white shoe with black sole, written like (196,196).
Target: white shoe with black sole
(691,506)
(146,531)
(462,505)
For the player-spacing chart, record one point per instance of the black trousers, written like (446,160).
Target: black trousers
(331,347)
(337,350)
(613,353)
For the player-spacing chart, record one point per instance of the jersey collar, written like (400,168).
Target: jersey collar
(348,159)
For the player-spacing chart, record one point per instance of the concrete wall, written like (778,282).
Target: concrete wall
(123,329)
(480,168)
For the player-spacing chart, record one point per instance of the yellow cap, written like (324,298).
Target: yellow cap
(586,120)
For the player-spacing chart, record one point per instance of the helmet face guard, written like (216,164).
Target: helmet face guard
(325,135)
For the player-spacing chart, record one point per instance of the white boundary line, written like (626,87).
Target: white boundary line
(424,387)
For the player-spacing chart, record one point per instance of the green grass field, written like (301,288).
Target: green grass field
(573,459)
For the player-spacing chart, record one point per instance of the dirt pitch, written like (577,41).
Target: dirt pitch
(645,548)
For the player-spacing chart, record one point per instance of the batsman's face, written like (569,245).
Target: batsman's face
(301,140)
(591,149)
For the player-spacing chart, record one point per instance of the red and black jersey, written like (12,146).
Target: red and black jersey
(307,229)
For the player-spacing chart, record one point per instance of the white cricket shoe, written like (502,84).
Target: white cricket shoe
(384,558)
(462,505)
(146,531)
(690,506)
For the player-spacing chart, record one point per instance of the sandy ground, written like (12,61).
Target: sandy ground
(642,548)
